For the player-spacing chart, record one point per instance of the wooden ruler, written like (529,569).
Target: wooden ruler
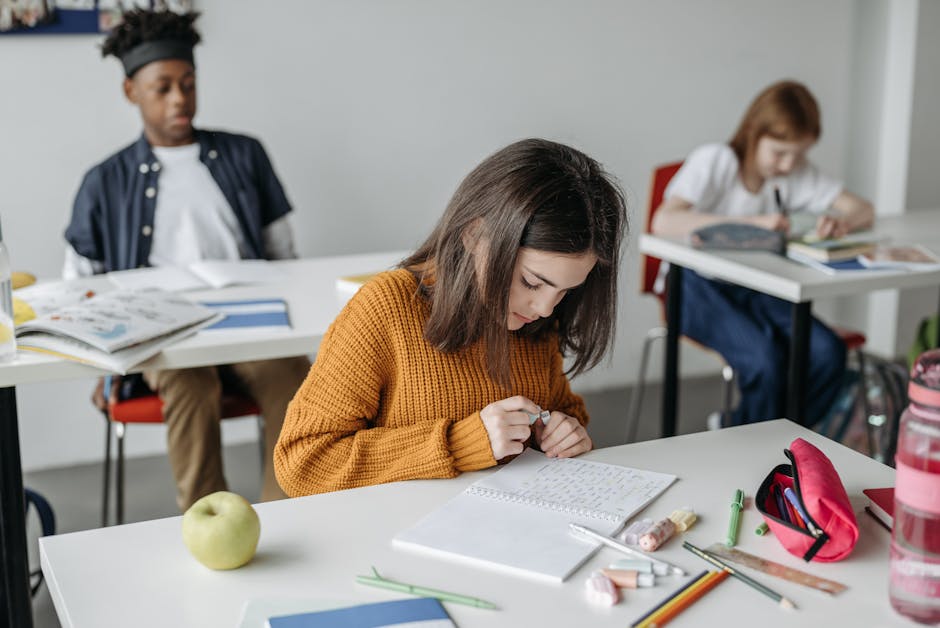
(778,570)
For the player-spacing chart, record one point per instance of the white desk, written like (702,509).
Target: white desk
(788,280)
(313,547)
(313,303)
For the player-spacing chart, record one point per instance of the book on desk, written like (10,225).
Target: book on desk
(115,330)
(200,275)
(831,249)
(517,519)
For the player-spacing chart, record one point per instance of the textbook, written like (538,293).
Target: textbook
(831,250)
(911,257)
(517,518)
(881,504)
(115,330)
(198,275)
(419,612)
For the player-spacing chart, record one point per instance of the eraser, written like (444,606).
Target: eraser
(683,518)
(657,535)
(543,414)
(601,590)
(629,578)
(631,536)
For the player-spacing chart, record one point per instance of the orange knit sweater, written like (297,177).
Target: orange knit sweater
(381,404)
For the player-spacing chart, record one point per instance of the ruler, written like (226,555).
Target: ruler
(778,570)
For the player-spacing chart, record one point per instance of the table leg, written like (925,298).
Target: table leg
(15,601)
(671,363)
(799,354)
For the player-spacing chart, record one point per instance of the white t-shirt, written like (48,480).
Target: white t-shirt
(192,220)
(710,180)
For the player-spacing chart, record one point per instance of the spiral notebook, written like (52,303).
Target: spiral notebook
(517,518)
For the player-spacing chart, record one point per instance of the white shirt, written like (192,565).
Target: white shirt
(192,220)
(710,179)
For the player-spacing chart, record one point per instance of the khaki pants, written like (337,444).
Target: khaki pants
(191,409)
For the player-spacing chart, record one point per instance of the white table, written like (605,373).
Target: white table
(790,281)
(313,303)
(313,547)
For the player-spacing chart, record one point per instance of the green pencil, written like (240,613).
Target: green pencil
(446,596)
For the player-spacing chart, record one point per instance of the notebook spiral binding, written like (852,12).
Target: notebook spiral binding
(577,511)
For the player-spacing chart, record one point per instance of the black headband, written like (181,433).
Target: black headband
(149,51)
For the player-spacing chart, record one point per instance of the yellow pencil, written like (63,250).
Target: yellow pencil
(644,622)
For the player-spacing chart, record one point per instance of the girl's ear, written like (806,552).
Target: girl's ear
(130,90)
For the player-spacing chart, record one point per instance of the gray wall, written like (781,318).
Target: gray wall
(373,110)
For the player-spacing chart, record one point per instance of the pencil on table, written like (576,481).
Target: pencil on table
(782,601)
(642,620)
(688,597)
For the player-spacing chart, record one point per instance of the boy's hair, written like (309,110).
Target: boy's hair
(536,194)
(140,26)
(785,111)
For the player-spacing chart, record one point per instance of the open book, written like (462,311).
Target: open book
(115,330)
(517,518)
(911,257)
(198,275)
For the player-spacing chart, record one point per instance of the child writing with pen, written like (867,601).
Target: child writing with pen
(444,364)
(761,177)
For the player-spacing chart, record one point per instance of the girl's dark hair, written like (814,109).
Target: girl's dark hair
(536,194)
(785,111)
(140,25)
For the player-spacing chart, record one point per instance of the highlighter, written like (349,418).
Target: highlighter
(629,579)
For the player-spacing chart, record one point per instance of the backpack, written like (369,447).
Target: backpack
(873,432)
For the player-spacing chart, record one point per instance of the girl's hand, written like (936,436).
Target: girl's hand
(774,222)
(831,227)
(562,437)
(507,424)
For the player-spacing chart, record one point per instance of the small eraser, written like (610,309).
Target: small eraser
(545,415)
(633,564)
(657,535)
(601,590)
(683,519)
(534,417)
(631,536)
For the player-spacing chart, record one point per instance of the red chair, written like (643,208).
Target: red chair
(853,340)
(148,408)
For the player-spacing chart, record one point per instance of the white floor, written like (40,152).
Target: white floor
(75,492)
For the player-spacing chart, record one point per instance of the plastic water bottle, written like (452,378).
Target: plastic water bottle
(915,539)
(7,337)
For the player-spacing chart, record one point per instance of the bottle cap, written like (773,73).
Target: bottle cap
(633,564)
(645,580)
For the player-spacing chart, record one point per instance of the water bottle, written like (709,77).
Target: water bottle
(7,338)
(915,539)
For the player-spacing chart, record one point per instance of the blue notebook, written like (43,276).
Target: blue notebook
(254,314)
(419,612)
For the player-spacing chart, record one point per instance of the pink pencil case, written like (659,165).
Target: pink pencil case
(815,521)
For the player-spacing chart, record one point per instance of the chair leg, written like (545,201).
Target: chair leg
(727,374)
(106,480)
(119,482)
(636,399)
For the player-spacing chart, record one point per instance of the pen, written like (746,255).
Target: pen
(777,199)
(782,510)
(782,601)
(736,506)
(620,547)
(446,596)
(790,494)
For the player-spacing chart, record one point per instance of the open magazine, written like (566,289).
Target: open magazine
(115,330)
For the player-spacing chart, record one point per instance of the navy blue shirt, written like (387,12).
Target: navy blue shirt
(112,217)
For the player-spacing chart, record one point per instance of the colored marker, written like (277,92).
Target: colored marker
(790,494)
(735,522)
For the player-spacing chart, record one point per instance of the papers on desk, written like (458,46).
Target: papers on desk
(420,612)
(911,257)
(198,275)
(517,518)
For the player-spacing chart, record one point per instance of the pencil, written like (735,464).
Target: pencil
(641,621)
(782,601)
(779,201)
(666,614)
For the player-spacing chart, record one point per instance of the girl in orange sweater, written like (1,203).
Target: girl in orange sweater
(445,364)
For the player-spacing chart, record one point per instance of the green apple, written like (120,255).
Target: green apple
(221,530)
